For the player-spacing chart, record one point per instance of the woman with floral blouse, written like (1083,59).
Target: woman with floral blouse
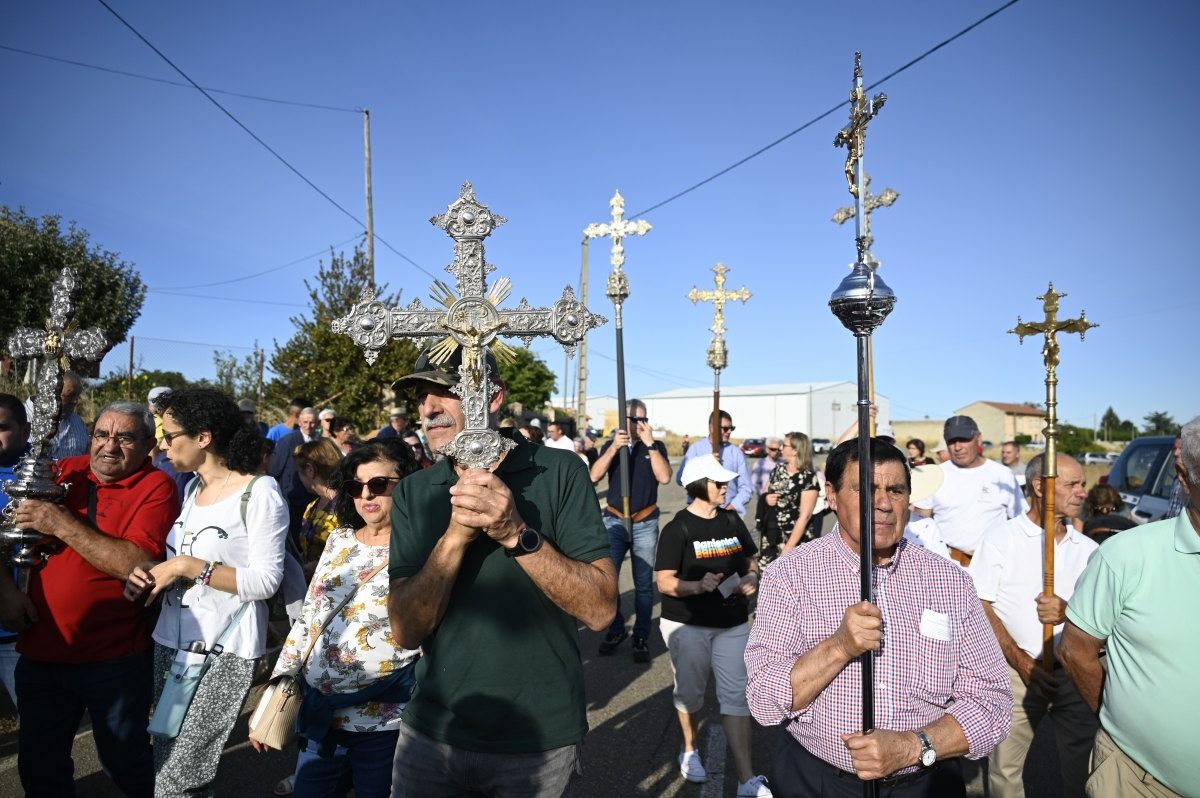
(344,745)
(792,490)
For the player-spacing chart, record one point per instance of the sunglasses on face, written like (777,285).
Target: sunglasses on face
(730,428)
(377,486)
(638,419)
(772,448)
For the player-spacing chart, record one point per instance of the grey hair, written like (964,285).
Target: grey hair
(309,411)
(135,410)
(1034,469)
(774,440)
(1190,436)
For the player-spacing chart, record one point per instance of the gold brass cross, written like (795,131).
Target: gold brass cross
(719,297)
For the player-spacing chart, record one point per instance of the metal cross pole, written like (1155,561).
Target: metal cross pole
(861,302)
(471,319)
(718,355)
(52,349)
(872,203)
(618,292)
(1050,328)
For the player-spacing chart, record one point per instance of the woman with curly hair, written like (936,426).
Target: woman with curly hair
(792,490)
(356,678)
(225,559)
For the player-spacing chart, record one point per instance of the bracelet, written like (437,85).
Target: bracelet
(205,575)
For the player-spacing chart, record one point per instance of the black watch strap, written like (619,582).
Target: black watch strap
(528,541)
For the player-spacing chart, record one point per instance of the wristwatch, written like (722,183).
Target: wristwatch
(928,755)
(528,541)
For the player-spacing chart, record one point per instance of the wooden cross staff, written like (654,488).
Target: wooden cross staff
(1050,328)
(718,355)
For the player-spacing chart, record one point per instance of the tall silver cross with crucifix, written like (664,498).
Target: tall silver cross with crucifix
(471,319)
(872,203)
(53,348)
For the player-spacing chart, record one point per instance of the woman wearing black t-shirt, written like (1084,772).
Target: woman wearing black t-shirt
(706,570)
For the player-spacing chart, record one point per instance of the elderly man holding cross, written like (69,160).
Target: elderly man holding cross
(496,550)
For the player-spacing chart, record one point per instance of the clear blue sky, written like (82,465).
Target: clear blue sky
(1052,142)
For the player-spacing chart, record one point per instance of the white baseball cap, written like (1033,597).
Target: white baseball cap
(705,466)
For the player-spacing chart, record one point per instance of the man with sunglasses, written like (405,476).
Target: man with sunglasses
(731,458)
(648,468)
(490,570)
(82,645)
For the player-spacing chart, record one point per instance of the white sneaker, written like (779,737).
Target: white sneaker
(755,788)
(692,769)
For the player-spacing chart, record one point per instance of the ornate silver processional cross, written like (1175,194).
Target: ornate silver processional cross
(471,319)
(53,348)
(872,203)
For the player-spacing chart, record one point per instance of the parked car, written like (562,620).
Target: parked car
(1095,458)
(1144,473)
(820,445)
(754,447)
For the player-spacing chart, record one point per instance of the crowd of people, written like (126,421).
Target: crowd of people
(434,611)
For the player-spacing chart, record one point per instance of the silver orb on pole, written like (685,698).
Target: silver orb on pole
(862,300)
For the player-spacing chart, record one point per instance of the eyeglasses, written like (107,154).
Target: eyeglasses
(377,486)
(168,437)
(123,439)
(730,428)
(772,448)
(718,484)
(639,419)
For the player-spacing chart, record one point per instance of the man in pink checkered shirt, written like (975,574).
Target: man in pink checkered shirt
(941,683)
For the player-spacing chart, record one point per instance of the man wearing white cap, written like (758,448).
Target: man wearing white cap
(977,493)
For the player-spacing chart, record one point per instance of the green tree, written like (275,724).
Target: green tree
(328,367)
(1160,423)
(238,378)
(33,252)
(528,380)
(1077,440)
(116,385)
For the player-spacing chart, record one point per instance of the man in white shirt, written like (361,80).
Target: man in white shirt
(976,493)
(556,438)
(1007,570)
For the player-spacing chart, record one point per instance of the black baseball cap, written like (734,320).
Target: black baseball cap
(444,374)
(960,428)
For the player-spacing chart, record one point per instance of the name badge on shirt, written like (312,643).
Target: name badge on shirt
(935,625)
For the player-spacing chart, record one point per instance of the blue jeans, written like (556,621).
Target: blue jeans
(116,693)
(361,759)
(642,551)
(426,768)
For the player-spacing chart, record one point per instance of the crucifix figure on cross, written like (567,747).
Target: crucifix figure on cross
(52,349)
(471,319)
(718,355)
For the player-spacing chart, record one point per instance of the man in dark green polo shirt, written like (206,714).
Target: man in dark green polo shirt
(490,570)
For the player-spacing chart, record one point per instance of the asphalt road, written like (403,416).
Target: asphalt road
(630,751)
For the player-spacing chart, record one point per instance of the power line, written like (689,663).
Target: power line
(254,136)
(824,114)
(177,83)
(196,343)
(229,299)
(169,288)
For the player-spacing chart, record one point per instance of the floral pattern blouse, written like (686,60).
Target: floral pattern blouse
(357,648)
(788,488)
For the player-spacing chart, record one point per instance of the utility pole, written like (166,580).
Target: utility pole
(370,204)
(582,369)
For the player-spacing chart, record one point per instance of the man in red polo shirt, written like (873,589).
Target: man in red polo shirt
(82,645)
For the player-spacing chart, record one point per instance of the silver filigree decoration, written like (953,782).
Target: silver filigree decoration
(470,317)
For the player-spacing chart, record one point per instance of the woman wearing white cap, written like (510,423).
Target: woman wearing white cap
(706,571)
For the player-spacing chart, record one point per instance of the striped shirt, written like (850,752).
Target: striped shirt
(939,655)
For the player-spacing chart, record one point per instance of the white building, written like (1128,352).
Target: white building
(818,409)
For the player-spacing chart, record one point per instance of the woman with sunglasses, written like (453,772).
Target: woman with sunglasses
(346,741)
(225,559)
(706,572)
(793,490)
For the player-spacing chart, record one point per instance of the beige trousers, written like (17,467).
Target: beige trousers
(1074,730)
(1115,775)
